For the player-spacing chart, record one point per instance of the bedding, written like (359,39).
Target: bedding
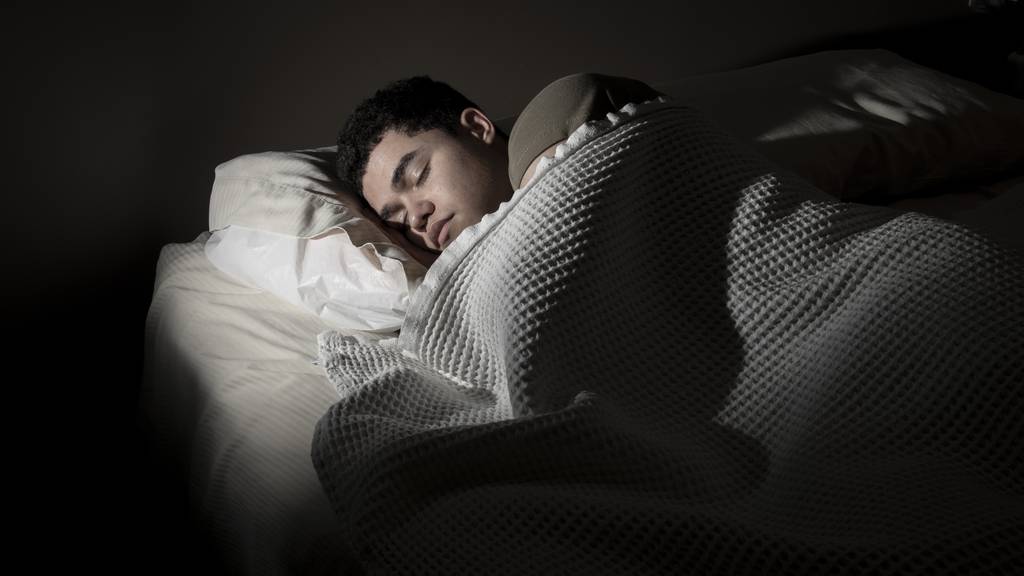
(669,353)
(282,222)
(1000,216)
(349,288)
(233,398)
(296,193)
(865,125)
(230,397)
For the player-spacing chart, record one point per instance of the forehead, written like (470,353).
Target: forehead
(393,144)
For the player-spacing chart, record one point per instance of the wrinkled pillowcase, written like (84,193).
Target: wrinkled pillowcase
(349,288)
(862,124)
(295,194)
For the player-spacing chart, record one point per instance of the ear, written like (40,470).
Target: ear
(478,124)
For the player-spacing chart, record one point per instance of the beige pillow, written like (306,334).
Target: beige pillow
(296,193)
(864,123)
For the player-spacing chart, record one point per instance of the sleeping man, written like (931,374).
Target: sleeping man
(431,163)
(692,340)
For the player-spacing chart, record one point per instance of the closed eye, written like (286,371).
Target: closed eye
(423,175)
(386,214)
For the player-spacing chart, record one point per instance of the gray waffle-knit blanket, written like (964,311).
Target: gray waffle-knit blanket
(667,355)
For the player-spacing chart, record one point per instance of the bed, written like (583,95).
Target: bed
(238,398)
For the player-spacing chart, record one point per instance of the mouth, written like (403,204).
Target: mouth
(442,236)
(438,232)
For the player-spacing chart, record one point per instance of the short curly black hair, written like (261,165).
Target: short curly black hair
(410,106)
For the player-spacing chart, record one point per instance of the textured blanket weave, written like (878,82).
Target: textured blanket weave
(666,355)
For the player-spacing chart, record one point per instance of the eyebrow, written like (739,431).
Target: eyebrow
(397,177)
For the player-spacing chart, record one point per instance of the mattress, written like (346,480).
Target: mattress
(232,397)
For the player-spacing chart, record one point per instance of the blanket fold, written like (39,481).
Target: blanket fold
(666,354)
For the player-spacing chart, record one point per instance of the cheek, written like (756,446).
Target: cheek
(451,191)
(464,186)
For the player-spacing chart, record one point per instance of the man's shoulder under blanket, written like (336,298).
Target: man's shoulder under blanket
(666,353)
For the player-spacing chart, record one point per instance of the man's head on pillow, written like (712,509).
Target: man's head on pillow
(426,159)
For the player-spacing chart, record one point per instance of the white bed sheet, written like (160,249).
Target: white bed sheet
(232,396)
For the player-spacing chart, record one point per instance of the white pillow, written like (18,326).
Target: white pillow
(280,221)
(349,288)
(296,193)
(864,123)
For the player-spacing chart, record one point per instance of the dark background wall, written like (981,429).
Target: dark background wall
(124,111)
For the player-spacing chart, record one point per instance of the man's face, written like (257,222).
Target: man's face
(434,185)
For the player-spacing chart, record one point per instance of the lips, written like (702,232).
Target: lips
(437,229)
(442,236)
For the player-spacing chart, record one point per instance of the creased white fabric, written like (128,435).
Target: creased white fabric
(667,355)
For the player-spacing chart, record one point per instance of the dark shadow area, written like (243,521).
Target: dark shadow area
(173,536)
(94,469)
(975,47)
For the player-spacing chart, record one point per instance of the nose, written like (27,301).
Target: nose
(418,213)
